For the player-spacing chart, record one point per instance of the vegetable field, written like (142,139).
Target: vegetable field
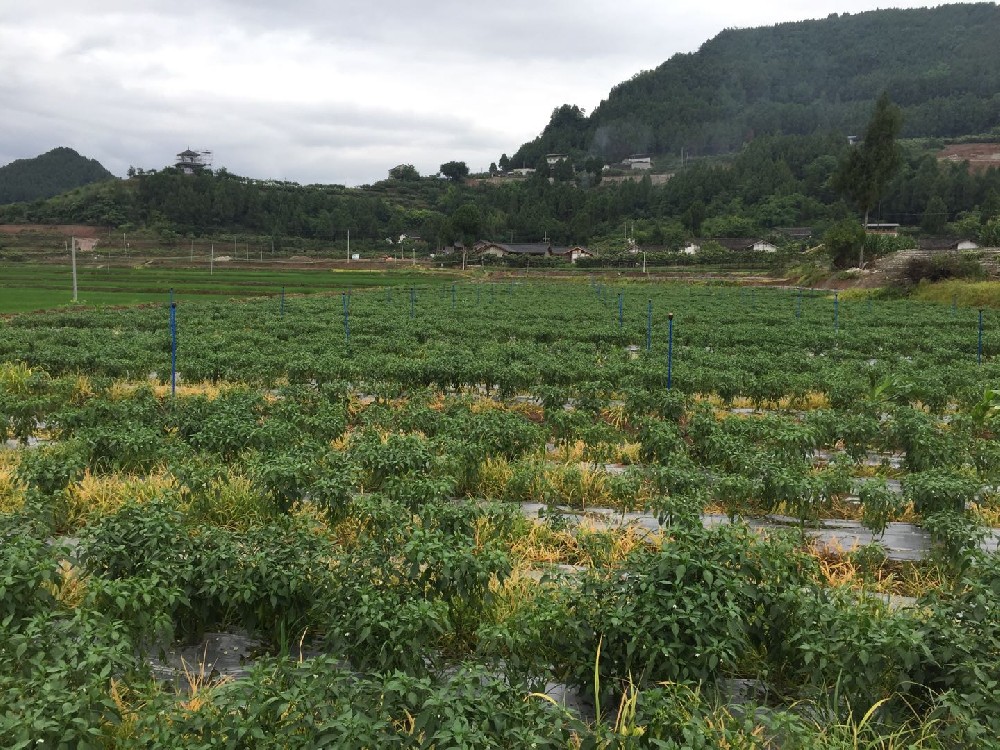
(475,515)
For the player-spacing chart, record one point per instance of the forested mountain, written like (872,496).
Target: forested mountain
(50,174)
(940,65)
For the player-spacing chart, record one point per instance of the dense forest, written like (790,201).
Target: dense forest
(940,65)
(50,174)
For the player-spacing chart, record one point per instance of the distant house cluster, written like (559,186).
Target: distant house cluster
(537,249)
(736,244)
(633,162)
(529,250)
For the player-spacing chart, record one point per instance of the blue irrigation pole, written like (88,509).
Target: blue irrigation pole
(670,349)
(979,351)
(413,300)
(281,309)
(621,305)
(649,326)
(347,322)
(173,349)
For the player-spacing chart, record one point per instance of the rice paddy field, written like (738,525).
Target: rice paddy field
(434,514)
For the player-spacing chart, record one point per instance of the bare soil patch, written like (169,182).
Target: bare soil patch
(66,230)
(981,156)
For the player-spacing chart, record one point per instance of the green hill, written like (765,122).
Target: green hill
(52,173)
(941,65)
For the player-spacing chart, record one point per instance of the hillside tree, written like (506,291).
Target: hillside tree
(404,172)
(456,171)
(868,167)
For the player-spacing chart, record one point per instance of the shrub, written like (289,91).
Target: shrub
(942,266)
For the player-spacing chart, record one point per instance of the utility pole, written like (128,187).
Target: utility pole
(73,257)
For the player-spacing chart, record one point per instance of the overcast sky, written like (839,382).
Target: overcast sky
(334,91)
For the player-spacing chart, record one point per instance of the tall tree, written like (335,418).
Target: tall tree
(935,215)
(868,167)
(843,240)
(455,170)
(404,172)
(466,221)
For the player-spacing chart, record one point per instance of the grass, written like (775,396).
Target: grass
(974,294)
(26,287)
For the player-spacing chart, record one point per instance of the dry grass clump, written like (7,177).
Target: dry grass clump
(858,570)
(71,588)
(316,517)
(11,490)
(232,502)
(529,410)
(14,377)
(583,545)
(184,390)
(803,402)
(494,474)
(95,496)
(988,510)
(125,389)
(580,486)
(82,391)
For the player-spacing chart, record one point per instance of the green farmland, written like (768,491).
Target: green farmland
(26,288)
(501,515)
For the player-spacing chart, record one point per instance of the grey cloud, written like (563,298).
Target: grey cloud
(376,82)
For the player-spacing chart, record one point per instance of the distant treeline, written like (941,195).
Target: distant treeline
(773,182)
